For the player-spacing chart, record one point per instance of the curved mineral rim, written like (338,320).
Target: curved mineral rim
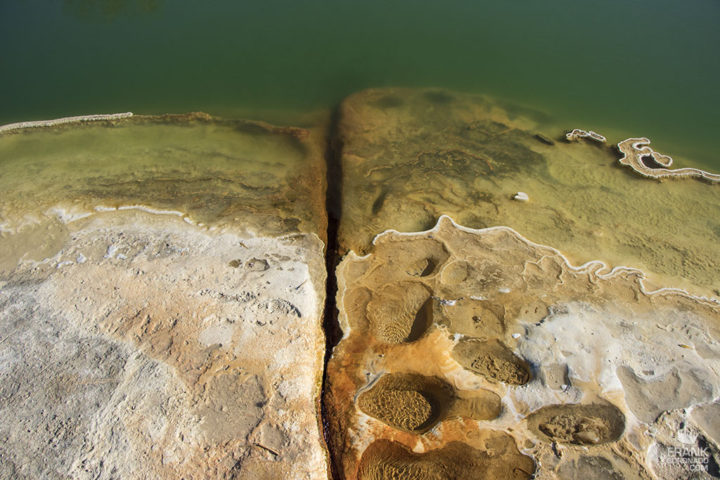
(175,117)
(597,267)
(634,149)
(64,120)
(577,134)
(67,217)
(67,214)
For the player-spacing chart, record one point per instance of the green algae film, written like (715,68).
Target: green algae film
(211,171)
(410,156)
(642,68)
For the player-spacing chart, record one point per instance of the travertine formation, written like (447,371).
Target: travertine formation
(161,293)
(518,363)
(577,134)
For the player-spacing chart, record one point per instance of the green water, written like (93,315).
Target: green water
(630,67)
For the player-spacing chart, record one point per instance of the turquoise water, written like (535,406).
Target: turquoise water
(630,67)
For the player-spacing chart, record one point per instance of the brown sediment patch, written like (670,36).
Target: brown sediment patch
(455,272)
(409,402)
(387,460)
(478,405)
(707,417)
(400,313)
(502,304)
(493,360)
(590,468)
(578,424)
(419,260)
(474,318)
(637,154)
(422,267)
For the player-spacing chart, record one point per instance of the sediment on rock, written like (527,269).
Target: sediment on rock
(158,252)
(578,424)
(408,402)
(493,360)
(161,298)
(411,155)
(385,459)
(508,314)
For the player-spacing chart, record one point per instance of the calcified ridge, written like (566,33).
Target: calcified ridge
(577,134)
(595,267)
(637,154)
(65,120)
(635,150)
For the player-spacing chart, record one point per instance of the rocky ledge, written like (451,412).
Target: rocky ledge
(477,353)
(162,284)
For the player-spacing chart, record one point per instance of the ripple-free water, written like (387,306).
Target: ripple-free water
(625,68)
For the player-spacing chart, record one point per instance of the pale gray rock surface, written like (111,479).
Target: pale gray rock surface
(162,283)
(149,348)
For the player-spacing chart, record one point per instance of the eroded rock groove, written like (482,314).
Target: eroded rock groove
(330,314)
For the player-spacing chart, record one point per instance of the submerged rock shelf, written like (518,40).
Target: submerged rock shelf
(162,283)
(219,172)
(410,156)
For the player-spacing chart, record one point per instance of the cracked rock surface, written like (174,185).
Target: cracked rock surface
(565,369)
(138,342)
(475,349)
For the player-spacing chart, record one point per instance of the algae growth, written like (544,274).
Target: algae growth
(409,156)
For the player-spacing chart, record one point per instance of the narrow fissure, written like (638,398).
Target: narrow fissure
(333,206)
